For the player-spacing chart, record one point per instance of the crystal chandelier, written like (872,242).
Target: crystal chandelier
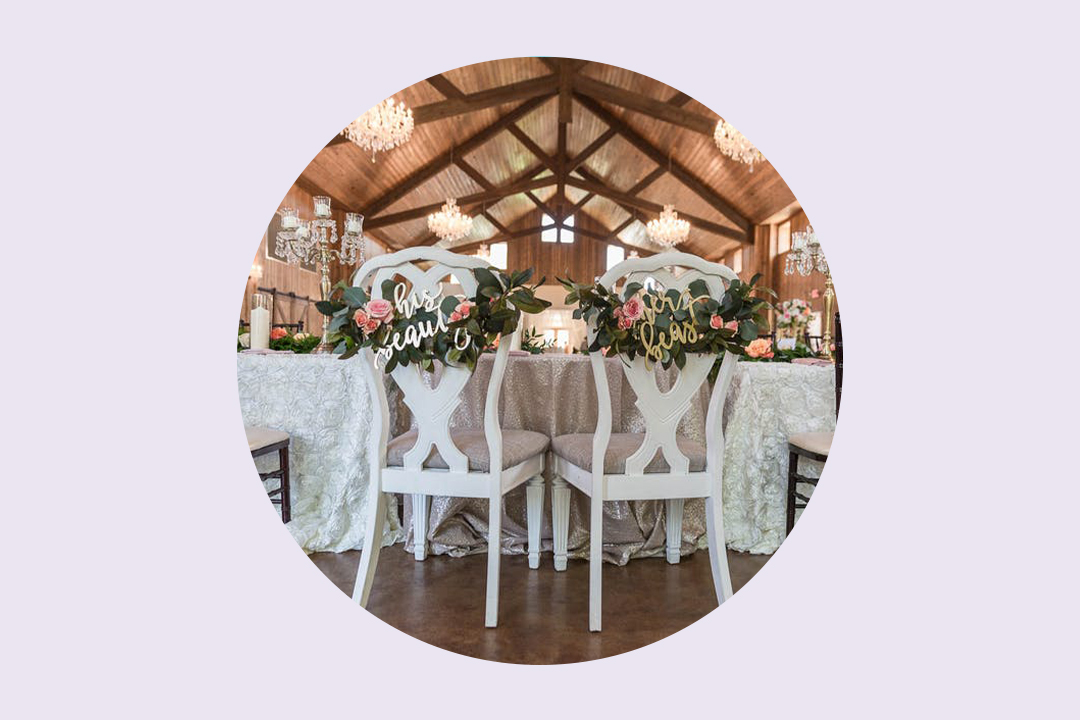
(449,224)
(668,230)
(735,145)
(382,128)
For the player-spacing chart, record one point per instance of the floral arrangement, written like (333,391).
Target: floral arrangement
(763,350)
(281,339)
(793,313)
(533,342)
(665,327)
(423,329)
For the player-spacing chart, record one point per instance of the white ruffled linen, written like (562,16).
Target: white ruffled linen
(322,403)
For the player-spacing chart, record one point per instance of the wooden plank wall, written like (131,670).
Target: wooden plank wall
(582,260)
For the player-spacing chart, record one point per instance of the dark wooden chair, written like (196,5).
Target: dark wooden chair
(263,441)
(814,445)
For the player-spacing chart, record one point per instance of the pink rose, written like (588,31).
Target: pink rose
(278,333)
(455,316)
(815,294)
(380,310)
(716,322)
(732,325)
(371,326)
(360,317)
(787,316)
(618,313)
(760,348)
(633,309)
(625,323)
(463,308)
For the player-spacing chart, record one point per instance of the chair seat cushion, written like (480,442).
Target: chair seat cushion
(518,446)
(260,437)
(578,449)
(815,442)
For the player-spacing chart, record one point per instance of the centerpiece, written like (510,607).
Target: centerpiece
(409,329)
(792,318)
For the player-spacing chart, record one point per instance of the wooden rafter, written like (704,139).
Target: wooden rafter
(494,238)
(487,196)
(312,189)
(585,154)
(696,185)
(524,90)
(642,204)
(644,104)
(532,147)
(440,162)
(448,89)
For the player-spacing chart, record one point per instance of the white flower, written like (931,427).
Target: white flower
(301,336)
(245,340)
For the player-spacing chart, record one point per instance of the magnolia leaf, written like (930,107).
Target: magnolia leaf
(388,286)
(486,279)
(350,352)
(698,288)
(631,289)
(354,296)
(748,330)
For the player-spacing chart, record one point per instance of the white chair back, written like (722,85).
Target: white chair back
(662,411)
(432,407)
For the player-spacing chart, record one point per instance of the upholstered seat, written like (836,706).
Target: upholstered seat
(260,437)
(578,449)
(814,442)
(518,446)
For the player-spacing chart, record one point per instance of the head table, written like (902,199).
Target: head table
(323,404)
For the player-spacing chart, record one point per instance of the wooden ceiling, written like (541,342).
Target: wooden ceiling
(567,136)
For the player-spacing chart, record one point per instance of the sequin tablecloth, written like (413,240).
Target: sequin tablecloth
(322,403)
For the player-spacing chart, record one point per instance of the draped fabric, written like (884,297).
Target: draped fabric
(322,402)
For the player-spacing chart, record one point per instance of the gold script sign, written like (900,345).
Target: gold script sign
(656,341)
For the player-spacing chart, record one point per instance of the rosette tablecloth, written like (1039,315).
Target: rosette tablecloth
(553,394)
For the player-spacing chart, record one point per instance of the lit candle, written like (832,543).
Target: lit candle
(322,207)
(288,222)
(260,328)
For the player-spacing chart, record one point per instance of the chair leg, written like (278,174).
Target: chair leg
(674,529)
(286,497)
(534,498)
(793,475)
(420,525)
(373,536)
(714,521)
(560,520)
(491,618)
(596,552)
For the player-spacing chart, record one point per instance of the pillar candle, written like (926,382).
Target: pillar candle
(260,328)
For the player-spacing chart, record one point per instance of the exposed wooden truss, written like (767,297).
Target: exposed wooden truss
(568,85)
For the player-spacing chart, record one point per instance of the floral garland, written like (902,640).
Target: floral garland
(423,329)
(280,339)
(665,327)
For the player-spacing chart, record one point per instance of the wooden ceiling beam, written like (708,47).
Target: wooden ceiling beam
(440,162)
(585,154)
(622,226)
(448,89)
(545,86)
(566,91)
(659,109)
(554,65)
(313,189)
(683,175)
(473,173)
(512,235)
(647,180)
(641,204)
(487,196)
(532,147)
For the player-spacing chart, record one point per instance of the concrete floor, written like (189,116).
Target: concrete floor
(543,615)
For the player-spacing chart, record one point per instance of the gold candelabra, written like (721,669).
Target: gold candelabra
(804,258)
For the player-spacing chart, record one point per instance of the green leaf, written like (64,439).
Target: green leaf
(327,307)
(748,330)
(388,286)
(485,278)
(699,288)
(631,289)
(354,296)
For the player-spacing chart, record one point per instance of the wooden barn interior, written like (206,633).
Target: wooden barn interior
(561,163)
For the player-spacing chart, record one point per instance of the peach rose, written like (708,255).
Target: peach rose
(278,333)
(732,325)
(625,323)
(716,322)
(463,308)
(380,310)
(371,326)
(633,309)
(455,316)
(760,348)
(360,317)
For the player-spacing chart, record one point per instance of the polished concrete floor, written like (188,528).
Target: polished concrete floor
(543,615)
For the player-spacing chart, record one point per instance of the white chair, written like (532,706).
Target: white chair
(656,464)
(484,463)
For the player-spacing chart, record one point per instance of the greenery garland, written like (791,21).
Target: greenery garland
(454,330)
(665,327)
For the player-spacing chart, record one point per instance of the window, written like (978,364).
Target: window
(566,235)
(615,255)
(551,234)
(736,261)
(498,255)
(783,238)
(562,338)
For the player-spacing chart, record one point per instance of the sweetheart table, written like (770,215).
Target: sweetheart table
(322,403)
